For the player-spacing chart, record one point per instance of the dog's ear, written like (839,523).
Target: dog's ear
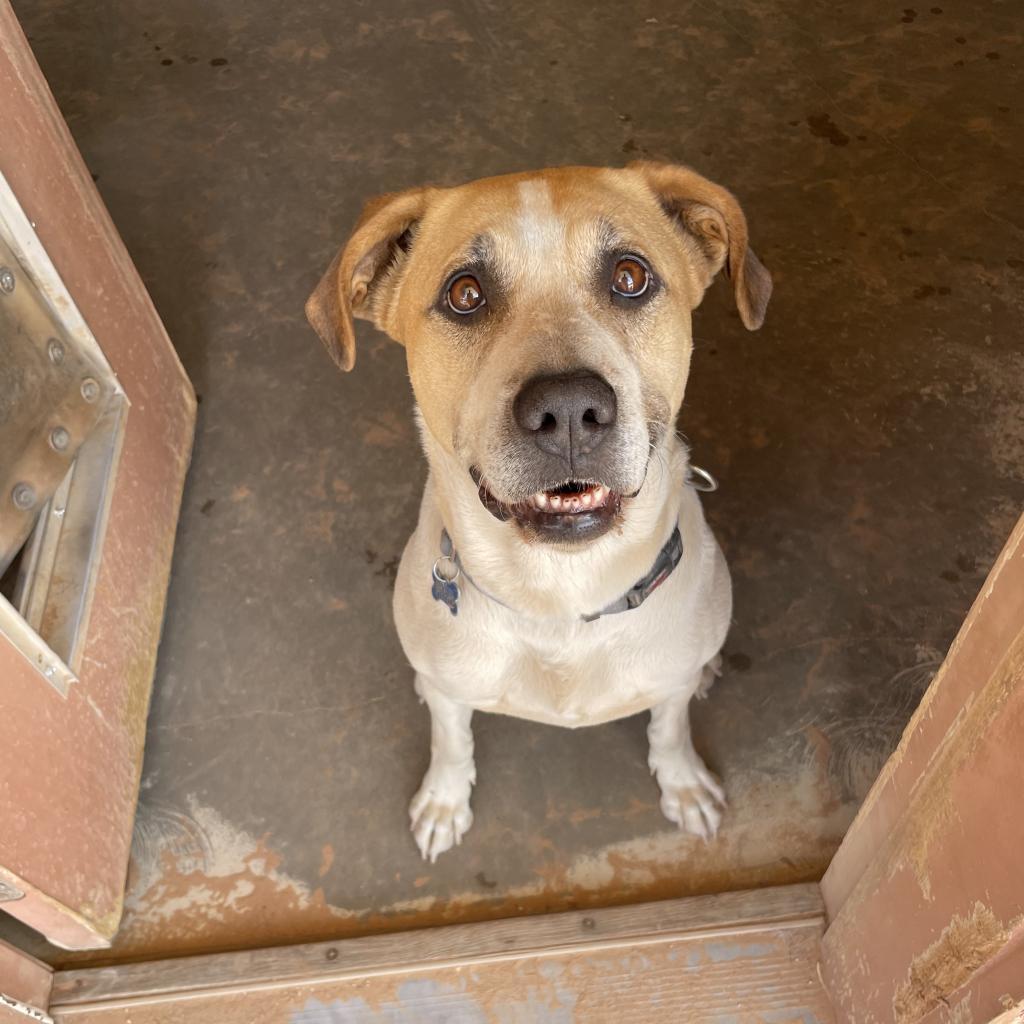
(712,218)
(361,277)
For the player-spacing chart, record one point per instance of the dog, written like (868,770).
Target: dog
(561,569)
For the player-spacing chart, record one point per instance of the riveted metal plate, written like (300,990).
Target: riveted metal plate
(53,393)
(62,414)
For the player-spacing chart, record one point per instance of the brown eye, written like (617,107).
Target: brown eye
(465,294)
(630,278)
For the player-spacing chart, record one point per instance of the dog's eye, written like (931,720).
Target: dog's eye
(465,294)
(630,278)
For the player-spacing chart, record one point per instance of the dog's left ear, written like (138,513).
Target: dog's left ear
(361,277)
(711,216)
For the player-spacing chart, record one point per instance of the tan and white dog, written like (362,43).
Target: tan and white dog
(546,321)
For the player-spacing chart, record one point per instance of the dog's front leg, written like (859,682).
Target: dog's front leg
(439,812)
(691,796)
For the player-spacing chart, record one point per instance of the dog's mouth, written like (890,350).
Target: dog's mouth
(575,510)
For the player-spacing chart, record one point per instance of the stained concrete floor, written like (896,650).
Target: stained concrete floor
(869,441)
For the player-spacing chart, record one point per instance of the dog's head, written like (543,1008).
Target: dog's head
(546,320)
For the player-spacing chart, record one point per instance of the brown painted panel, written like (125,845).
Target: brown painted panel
(70,767)
(24,978)
(927,891)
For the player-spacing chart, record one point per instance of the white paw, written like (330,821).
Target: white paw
(439,812)
(708,674)
(691,797)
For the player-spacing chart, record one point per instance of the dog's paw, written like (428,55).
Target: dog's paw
(708,674)
(695,809)
(691,797)
(439,812)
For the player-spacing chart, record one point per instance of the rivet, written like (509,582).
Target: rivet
(55,350)
(90,389)
(23,497)
(6,280)
(59,439)
(49,672)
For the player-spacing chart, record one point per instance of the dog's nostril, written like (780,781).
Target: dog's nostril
(567,415)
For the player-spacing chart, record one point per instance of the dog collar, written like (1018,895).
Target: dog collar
(448,568)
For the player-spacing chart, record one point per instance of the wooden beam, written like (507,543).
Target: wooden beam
(735,954)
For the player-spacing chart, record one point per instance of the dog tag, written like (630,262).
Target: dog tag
(446,591)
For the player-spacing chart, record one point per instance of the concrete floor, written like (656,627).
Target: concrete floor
(869,441)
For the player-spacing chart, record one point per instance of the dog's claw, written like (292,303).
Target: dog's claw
(691,797)
(694,809)
(440,813)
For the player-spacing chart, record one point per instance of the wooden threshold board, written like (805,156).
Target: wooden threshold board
(732,958)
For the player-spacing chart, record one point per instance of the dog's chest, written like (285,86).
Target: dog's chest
(579,675)
(567,694)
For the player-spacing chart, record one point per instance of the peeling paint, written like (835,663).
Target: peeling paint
(964,945)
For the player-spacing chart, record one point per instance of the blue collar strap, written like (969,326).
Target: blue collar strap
(448,570)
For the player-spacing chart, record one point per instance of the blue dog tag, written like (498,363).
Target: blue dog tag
(446,591)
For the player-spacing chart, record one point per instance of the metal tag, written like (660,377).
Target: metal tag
(446,591)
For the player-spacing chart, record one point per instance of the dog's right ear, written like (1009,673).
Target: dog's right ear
(361,278)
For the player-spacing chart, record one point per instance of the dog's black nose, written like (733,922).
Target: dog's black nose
(568,415)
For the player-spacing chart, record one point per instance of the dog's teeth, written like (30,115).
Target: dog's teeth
(540,500)
(587,499)
(555,501)
(600,495)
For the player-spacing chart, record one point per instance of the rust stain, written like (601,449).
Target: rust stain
(235,894)
(388,430)
(578,817)
(817,675)
(224,875)
(342,490)
(326,859)
(319,526)
(240,493)
(821,752)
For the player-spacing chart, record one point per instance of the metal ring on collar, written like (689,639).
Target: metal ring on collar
(700,479)
(446,579)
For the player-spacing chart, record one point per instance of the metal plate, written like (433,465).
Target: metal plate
(53,392)
(59,563)
(62,413)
